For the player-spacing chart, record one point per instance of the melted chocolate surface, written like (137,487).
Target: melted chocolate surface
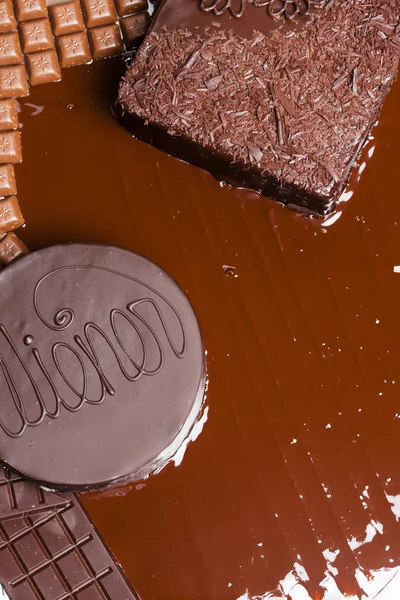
(293,488)
(101,367)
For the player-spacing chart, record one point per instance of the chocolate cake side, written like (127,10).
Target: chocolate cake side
(284,110)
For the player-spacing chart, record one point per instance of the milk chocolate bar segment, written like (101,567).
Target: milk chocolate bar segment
(10,49)
(128,7)
(99,12)
(7,17)
(27,10)
(73,49)
(43,67)
(36,36)
(261,103)
(8,184)
(13,82)
(10,147)
(8,114)
(10,215)
(11,248)
(66,18)
(105,41)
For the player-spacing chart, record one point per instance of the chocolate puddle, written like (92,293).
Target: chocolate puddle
(293,486)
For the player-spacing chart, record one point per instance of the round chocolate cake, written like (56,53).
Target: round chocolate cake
(101,364)
(290,486)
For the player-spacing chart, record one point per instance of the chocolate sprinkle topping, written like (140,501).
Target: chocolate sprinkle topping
(296,105)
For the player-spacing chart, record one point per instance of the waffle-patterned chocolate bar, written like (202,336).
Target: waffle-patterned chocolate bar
(50,550)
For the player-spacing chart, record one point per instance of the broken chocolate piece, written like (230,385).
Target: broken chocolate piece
(283,110)
(128,367)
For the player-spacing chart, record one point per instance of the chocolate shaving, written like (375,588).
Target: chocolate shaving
(296,103)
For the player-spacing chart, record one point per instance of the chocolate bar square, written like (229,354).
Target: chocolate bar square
(11,248)
(10,49)
(13,82)
(8,184)
(7,17)
(262,97)
(66,18)
(8,114)
(23,548)
(36,36)
(74,570)
(134,28)
(99,12)
(10,147)
(129,7)
(43,67)
(105,41)
(73,49)
(10,215)
(28,10)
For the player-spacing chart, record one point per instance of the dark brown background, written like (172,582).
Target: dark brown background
(302,345)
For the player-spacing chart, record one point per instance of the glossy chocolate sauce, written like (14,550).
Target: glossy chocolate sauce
(293,486)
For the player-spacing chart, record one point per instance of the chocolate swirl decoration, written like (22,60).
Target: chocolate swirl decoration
(219,7)
(288,9)
(65,316)
(127,324)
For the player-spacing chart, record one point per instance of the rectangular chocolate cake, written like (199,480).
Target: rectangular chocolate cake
(270,95)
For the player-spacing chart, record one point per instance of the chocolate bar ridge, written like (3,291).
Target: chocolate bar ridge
(284,110)
(49,548)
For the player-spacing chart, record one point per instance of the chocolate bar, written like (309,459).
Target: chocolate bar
(11,248)
(74,372)
(50,549)
(36,36)
(10,147)
(271,95)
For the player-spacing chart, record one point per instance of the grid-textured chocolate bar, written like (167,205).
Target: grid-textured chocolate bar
(19,498)
(238,89)
(50,550)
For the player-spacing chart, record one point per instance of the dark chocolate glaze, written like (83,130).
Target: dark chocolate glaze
(221,167)
(258,110)
(254,17)
(300,320)
(101,367)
